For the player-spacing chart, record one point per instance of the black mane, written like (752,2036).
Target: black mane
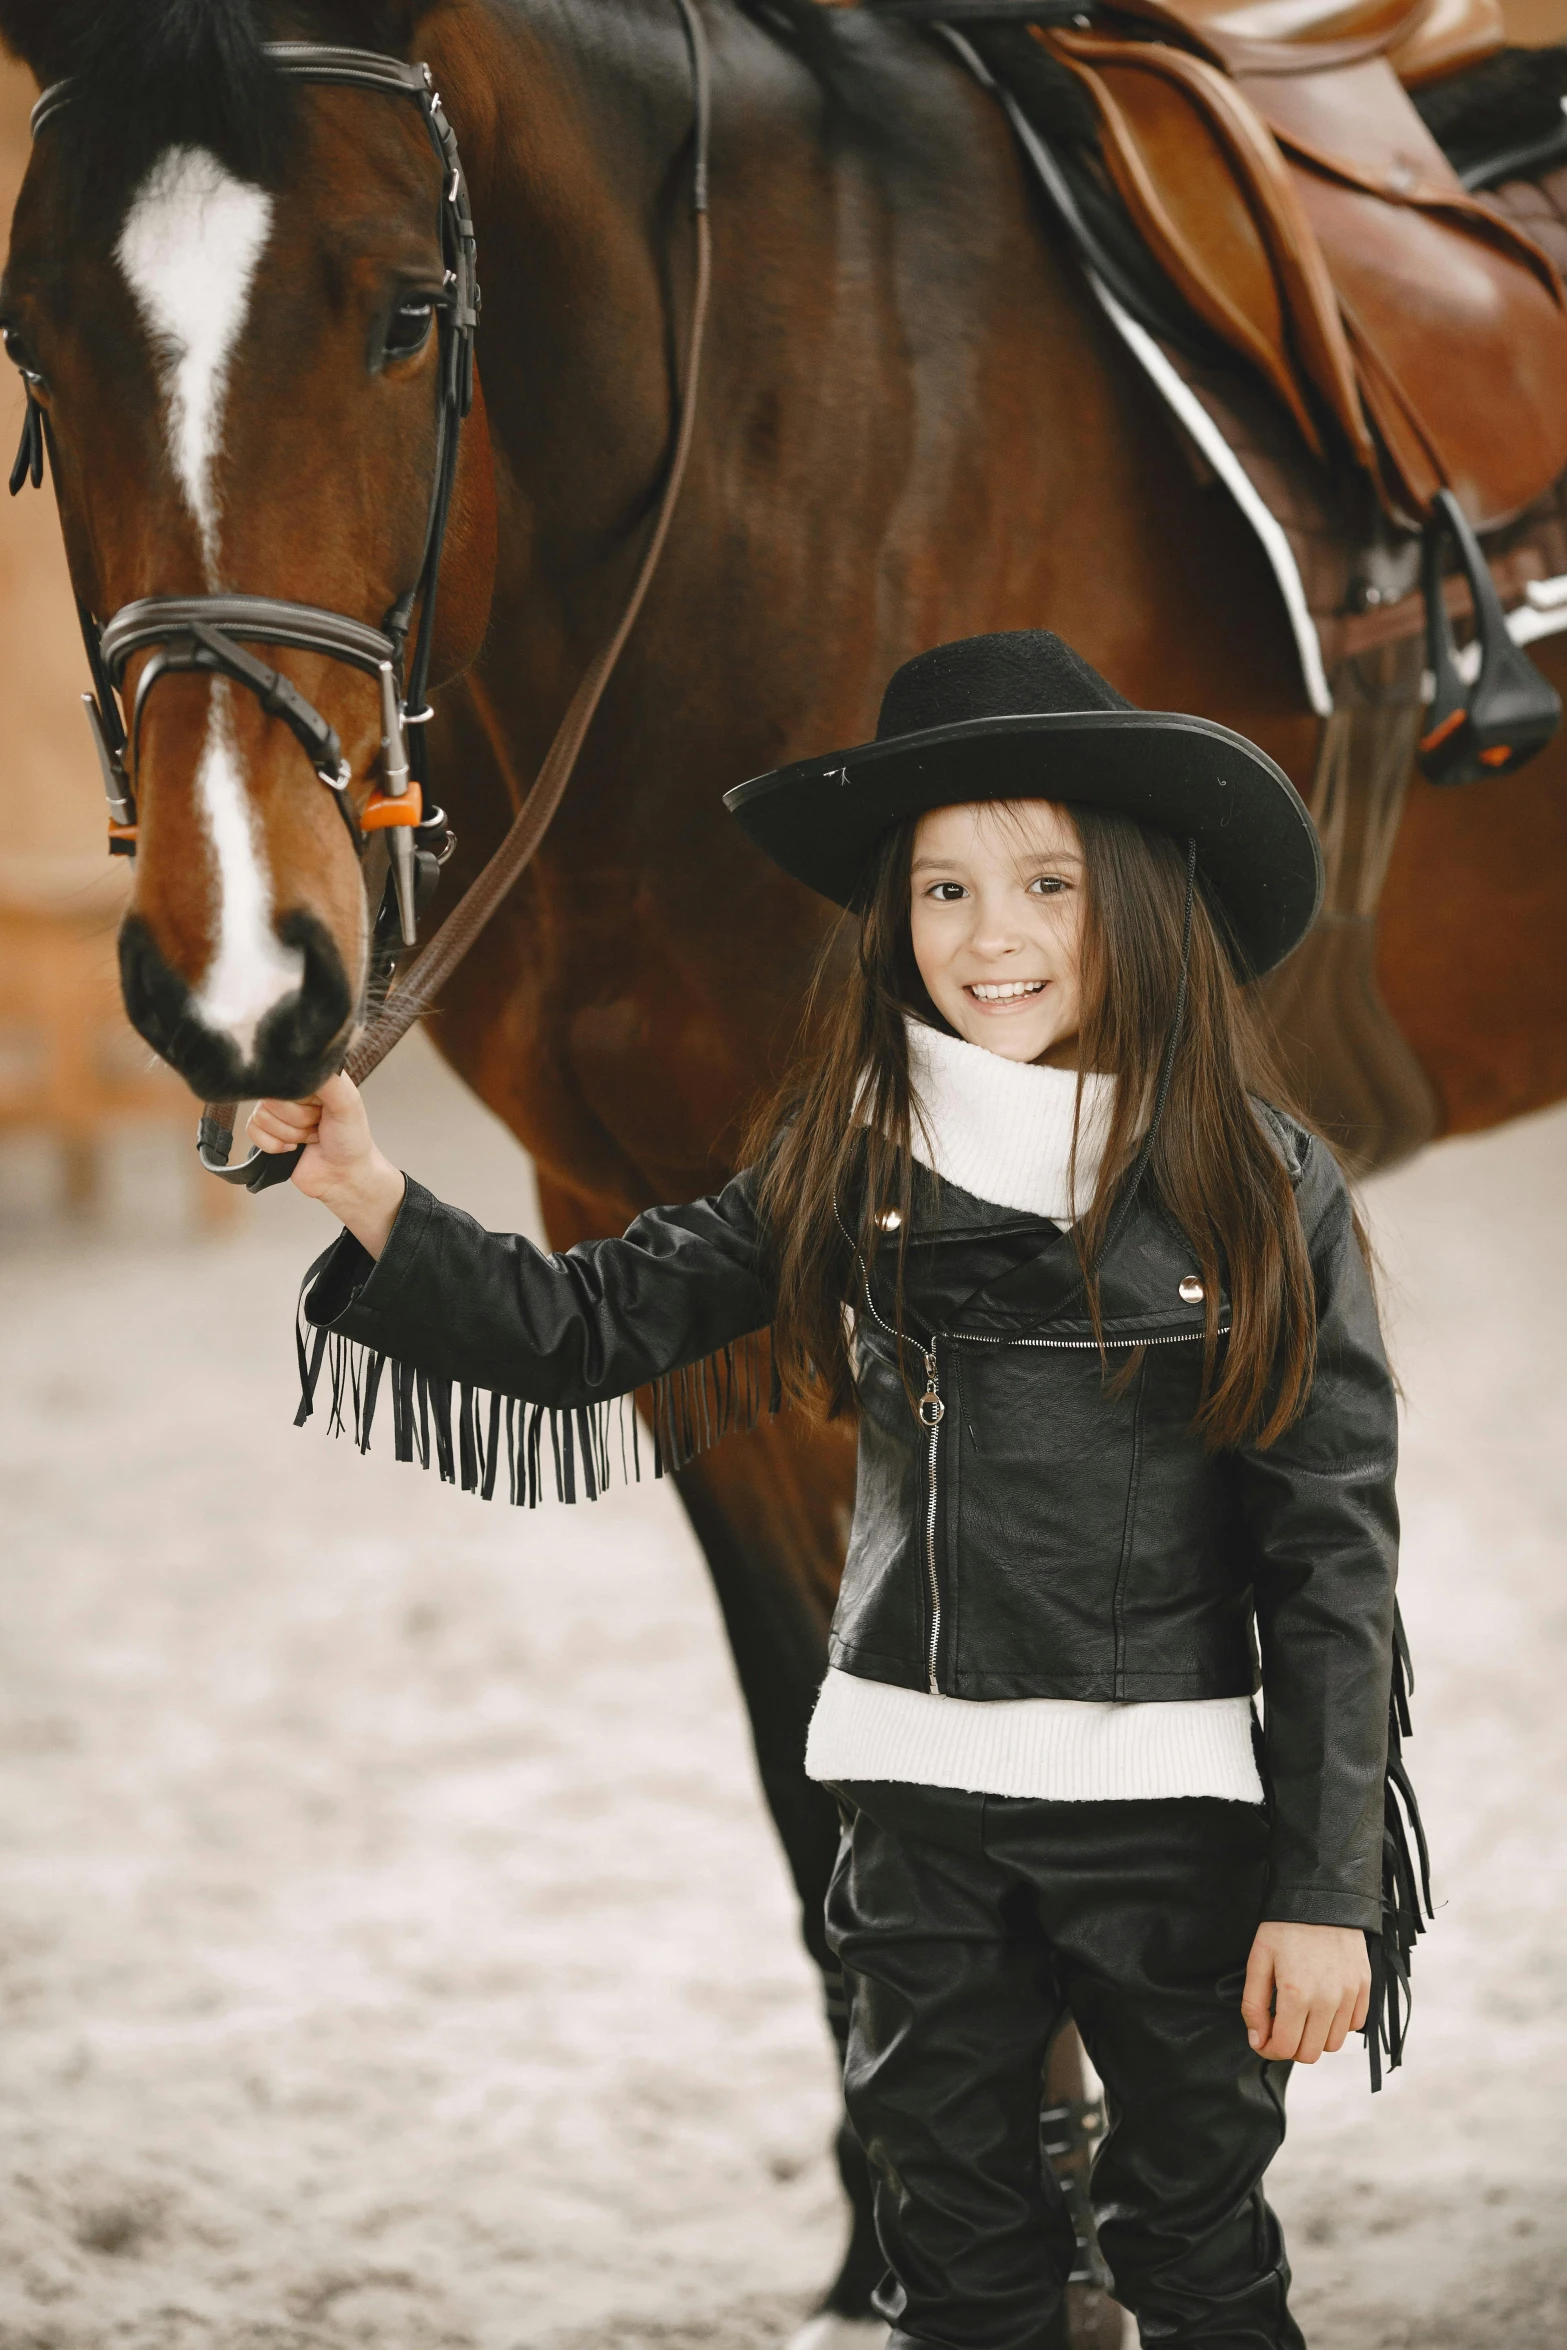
(156,73)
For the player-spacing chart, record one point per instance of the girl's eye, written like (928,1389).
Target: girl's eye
(946,893)
(1048,885)
(408,329)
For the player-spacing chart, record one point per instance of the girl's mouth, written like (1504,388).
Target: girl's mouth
(1003,995)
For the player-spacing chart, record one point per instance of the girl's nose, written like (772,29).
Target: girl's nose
(995,938)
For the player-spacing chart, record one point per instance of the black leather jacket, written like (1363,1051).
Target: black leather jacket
(1021,1533)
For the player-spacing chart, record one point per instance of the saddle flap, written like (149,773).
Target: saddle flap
(1310,218)
(1457,319)
(1211,194)
(1463,367)
(1187,200)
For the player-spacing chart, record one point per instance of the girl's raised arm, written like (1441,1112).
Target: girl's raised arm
(489,1309)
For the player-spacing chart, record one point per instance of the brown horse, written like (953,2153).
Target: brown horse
(913,424)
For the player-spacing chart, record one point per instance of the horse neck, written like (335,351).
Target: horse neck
(575,127)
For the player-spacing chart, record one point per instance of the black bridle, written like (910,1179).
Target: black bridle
(209,634)
(202,630)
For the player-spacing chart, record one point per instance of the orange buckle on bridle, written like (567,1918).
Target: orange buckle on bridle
(381,810)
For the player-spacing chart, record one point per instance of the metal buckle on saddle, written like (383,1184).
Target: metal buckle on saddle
(1492,723)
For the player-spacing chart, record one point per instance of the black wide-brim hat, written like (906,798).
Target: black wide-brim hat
(1020,716)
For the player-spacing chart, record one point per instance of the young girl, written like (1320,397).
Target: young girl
(1126,1452)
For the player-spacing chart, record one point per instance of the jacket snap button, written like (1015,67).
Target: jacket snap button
(1191,1291)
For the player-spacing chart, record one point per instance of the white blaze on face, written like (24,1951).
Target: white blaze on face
(189,249)
(250,970)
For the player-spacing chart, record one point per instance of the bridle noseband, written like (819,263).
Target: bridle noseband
(209,634)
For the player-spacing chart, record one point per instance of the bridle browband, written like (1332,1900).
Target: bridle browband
(203,633)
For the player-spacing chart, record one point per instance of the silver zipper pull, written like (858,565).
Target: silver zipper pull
(932,1410)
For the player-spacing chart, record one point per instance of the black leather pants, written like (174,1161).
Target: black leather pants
(966,1923)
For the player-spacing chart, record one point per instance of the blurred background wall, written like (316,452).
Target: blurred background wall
(51,804)
(73,1075)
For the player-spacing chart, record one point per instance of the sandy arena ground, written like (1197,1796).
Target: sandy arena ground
(395,1951)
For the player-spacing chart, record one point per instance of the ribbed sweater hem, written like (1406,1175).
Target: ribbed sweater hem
(1056,1749)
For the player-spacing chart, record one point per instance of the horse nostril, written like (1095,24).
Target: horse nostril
(158,1004)
(295,1043)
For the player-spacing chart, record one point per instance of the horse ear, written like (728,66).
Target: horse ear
(38,33)
(50,36)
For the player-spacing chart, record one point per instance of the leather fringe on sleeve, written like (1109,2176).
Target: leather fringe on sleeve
(482,1441)
(1406,1882)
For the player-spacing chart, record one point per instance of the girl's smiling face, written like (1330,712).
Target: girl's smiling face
(996,912)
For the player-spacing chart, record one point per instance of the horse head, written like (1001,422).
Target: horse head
(230,290)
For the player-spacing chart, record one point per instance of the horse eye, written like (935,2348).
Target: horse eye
(409,328)
(19,351)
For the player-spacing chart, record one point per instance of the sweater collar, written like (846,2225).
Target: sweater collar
(1002,1130)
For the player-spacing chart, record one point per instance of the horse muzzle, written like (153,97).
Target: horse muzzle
(297,1041)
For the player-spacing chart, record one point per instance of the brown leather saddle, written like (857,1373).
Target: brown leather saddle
(1273,166)
(1271,158)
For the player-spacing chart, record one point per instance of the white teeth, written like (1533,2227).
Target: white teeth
(1005,993)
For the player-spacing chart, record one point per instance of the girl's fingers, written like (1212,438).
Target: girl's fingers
(283,1126)
(1257,1997)
(1307,1988)
(1307,2027)
(1343,2024)
(289,1115)
(1314,2032)
(1290,2017)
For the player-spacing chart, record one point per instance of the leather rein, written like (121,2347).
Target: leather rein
(204,633)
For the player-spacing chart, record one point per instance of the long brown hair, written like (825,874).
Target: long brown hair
(833,1140)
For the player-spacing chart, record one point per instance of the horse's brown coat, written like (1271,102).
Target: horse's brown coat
(1472,962)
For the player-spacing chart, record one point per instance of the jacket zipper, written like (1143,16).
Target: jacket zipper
(932,1411)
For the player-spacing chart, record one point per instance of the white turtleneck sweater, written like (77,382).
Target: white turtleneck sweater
(1002,1130)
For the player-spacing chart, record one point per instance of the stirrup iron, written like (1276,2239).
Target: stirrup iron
(1497,724)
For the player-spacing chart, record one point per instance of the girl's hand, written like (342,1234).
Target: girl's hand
(341,1166)
(1307,1989)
